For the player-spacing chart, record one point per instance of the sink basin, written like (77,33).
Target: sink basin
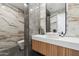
(52,35)
(41,36)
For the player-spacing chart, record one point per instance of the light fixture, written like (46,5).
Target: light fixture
(25,4)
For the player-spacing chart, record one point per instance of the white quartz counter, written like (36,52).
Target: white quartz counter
(68,42)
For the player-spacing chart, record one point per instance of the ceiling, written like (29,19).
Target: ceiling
(54,7)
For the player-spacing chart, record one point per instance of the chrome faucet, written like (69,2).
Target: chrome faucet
(61,34)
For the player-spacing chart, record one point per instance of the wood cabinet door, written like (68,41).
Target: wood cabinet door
(35,45)
(48,49)
(53,50)
(42,48)
(67,52)
(60,51)
(73,52)
(39,46)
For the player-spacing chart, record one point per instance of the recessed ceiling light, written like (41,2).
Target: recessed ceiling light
(25,4)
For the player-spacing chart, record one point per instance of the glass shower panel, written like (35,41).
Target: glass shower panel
(34,18)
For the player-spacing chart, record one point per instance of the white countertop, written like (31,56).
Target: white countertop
(68,42)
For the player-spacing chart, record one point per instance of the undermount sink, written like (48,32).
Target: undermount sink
(52,35)
(41,36)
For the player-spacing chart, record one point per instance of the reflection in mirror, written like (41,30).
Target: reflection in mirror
(55,18)
(47,20)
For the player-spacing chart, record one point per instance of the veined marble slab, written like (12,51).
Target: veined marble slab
(11,29)
(11,22)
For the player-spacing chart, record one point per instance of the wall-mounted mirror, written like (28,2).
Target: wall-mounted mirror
(55,17)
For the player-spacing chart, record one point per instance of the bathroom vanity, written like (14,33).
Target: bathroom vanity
(55,46)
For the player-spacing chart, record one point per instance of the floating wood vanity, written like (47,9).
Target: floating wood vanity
(49,49)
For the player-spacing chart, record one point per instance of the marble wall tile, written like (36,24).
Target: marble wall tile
(43,17)
(11,23)
(73,19)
